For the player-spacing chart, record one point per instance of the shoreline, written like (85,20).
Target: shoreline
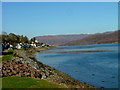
(48,73)
(58,72)
(92,44)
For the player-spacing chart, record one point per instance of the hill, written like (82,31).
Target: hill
(99,38)
(60,39)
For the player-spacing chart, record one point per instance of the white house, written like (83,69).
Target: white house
(11,46)
(18,46)
(36,41)
(33,45)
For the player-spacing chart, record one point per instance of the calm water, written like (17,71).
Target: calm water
(99,69)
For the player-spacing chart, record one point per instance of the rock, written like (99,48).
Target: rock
(25,65)
(11,67)
(3,68)
(4,74)
(28,74)
(10,73)
(7,71)
(43,76)
(32,75)
(40,76)
(83,86)
(18,75)
(15,66)
(19,62)
(14,72)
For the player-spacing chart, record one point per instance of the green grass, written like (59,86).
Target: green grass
(0,83)
(25,82)
(7,57)
(11,51)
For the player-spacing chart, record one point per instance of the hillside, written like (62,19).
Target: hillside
(60,39)
(99,38)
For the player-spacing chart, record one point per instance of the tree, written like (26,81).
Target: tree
(14,39)
(32,39)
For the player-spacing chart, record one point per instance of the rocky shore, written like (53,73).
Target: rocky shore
(24,64)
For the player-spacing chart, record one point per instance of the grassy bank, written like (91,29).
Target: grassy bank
(25,82)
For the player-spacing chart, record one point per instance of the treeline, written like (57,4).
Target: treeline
(13,39)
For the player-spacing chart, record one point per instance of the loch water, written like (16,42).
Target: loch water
(93,64)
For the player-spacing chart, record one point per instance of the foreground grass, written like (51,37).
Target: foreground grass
(1,83)
(25,82)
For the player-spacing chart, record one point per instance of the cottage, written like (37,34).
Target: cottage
(19,46)
(36,41)
(33,45)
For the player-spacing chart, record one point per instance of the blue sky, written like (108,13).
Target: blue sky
(50,18)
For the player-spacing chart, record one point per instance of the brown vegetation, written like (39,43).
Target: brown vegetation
(60,39)
(100,38)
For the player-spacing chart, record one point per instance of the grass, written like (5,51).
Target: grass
(8,55)
(0,83)
(25,82)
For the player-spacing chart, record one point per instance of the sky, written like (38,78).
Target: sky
(56,18)
(60,0)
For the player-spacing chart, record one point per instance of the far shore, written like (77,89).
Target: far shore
(91,44)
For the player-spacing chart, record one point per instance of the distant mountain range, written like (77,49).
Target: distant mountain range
(99,38)
(81,39)
(60,39)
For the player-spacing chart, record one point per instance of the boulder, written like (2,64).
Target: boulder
(16,68)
